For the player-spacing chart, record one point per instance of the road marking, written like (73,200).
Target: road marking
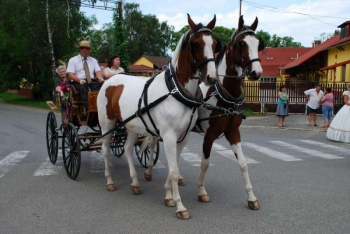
(47,168)
(193,158)
(227,153)
(10,161)
(271,153)
(333,147)
(315,153)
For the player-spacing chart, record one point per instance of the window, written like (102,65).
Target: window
(344,32)
(343,72)
(268,80)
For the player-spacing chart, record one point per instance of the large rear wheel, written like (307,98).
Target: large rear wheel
(143,156)
(52,137)
(71,151)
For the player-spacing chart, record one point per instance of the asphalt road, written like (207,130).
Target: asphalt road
(300,178)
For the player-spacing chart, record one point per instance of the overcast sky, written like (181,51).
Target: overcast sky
(302,20)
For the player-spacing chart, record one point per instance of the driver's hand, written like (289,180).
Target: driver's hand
(82,82)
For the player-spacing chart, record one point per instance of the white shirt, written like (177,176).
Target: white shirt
(315,99)
(108,72)
(347,93)
(76,66)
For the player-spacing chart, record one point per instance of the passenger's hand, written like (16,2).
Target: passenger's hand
(82,82)
(101,79)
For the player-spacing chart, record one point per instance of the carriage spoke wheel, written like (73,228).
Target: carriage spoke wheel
(52,137)
(71,151)
(143,157)
(117,143)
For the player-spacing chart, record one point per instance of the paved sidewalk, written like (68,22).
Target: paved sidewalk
(292,122)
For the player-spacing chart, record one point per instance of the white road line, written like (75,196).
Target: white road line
(271,153)
(194,159)
(227,153)
(315,153)
(47,168)
(11,160)
(97,162)
(333,147)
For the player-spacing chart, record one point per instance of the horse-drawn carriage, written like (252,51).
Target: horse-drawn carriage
(80,131)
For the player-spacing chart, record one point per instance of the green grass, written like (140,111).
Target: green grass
(16,99)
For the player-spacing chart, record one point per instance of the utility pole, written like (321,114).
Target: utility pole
(240,8)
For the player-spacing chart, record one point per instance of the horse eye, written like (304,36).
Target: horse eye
(241,44)
(196,45)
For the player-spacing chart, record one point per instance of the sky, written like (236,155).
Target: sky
(303,20)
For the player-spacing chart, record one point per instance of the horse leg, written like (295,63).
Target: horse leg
(105,126)
(151,141)
(173,176)
(252,200)
(180,147)
(129,146)
(209,138)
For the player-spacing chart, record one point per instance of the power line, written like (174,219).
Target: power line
(278,10)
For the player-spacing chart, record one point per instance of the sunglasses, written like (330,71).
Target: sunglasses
(86,48)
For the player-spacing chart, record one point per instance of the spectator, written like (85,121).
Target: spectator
(113,67)
(327,107)
(339,129)
(314,97)
(282,106)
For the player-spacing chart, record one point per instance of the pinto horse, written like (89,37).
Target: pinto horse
(162,106)
(239,59)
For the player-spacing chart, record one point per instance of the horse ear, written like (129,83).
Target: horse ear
(254,24)
(261,44)
(191,23)
(211,24)
(240,23)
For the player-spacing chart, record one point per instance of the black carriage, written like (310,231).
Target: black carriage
(80,130)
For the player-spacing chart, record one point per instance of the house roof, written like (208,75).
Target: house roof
(158,61)
(274,59)
(331,42)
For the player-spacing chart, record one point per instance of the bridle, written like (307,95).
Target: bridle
(244,63)
(199,64)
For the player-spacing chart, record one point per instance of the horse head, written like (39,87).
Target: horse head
(195,54)
(243,48)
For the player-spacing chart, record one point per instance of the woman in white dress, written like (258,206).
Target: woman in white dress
(339,130)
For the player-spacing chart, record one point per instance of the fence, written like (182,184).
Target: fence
(262,97)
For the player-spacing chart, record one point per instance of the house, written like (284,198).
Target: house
(148,65)
(274,59)
(327,62)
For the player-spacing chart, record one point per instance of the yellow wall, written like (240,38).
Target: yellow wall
(143,61)
(337,56)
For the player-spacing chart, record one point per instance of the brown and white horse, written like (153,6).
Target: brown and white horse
(164,106)
(239,59)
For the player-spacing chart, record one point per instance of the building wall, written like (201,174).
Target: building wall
(337,56)
(143,61)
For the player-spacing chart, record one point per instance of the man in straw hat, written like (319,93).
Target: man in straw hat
(77,69)
(81,70)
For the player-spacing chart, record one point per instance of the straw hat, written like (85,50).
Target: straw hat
(84,43)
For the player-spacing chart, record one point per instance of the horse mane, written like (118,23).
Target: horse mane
(175,58)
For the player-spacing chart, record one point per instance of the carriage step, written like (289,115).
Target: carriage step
(52,105)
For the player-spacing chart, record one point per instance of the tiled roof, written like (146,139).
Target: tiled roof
(274,59)
(331,42)
(140,68)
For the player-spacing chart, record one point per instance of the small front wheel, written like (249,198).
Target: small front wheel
(143,156)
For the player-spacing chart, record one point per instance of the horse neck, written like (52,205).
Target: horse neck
(229,71)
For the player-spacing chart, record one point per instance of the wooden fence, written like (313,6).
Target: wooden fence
(262,97)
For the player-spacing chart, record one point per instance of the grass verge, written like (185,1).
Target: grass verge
(12,98)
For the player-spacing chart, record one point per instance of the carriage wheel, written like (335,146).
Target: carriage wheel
(71,151)
(144,156)
(117,143)
(52,137)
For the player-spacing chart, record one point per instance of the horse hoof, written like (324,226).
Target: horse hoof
(254,205)
(181,182)
(183,215)
(169,202)
(147,176)
(111,187)
(135,190)
(204,198)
